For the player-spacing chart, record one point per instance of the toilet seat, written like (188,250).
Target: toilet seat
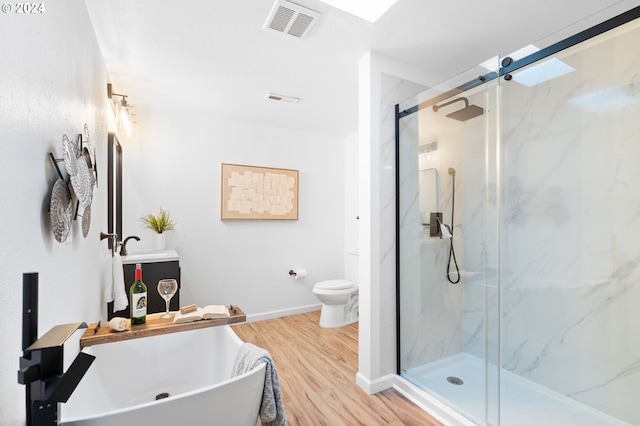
(335,285)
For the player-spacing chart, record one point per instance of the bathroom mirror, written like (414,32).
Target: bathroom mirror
(114,187)
(428,193)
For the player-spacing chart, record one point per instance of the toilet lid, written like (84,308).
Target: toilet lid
(335,284)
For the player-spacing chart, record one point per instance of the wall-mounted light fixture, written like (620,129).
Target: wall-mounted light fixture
(124,117)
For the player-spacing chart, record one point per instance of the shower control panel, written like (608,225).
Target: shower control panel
(435,219)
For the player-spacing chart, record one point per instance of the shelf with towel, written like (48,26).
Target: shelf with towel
(97,334)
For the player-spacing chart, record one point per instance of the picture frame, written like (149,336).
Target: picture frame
(258,193)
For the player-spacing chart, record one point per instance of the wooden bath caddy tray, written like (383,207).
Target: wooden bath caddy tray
(96,335)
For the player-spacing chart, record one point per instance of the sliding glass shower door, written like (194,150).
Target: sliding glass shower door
(570,228)
(518,236)
(447,215)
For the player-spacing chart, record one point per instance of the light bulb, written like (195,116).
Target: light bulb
(125,120)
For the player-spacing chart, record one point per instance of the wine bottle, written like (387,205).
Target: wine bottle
(138,299)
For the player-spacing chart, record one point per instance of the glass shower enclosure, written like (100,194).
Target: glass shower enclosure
(518,235)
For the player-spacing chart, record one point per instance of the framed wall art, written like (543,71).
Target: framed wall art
(258,193)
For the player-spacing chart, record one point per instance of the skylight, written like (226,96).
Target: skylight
(369,10)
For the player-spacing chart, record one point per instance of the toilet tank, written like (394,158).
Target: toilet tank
(352,273)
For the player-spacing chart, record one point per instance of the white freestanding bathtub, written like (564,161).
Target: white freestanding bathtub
(192,367)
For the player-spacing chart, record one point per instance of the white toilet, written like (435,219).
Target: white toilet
(339,297)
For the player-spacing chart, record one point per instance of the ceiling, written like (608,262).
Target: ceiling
(213,57)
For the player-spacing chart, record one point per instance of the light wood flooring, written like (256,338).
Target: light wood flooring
(317,368)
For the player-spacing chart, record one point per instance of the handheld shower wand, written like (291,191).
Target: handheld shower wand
(452,253)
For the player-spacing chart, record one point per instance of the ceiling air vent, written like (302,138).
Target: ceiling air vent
(290,18)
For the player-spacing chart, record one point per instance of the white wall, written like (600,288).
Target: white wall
(174,163)
(351,191)
(52,82)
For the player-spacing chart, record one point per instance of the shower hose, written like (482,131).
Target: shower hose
(452,253)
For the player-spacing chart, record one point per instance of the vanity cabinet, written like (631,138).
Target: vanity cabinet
(154,268)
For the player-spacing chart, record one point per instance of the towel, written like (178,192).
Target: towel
(113,283)
(271,408)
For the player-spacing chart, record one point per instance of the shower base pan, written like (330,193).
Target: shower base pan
(459,382)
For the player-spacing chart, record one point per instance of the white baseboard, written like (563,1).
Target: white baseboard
(283,312)
(435,408)
(375,386)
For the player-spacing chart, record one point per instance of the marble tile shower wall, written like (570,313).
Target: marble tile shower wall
(410,228)
(393,91)
(438,304)
(480,323)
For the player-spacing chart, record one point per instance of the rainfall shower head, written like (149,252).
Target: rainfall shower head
(464,114)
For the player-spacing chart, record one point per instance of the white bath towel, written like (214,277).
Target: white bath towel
(271,408)
(113,283)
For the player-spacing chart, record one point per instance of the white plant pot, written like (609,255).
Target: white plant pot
(161,241)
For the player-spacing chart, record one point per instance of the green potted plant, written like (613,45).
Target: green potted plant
(159,224)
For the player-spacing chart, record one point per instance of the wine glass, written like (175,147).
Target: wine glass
(167,288)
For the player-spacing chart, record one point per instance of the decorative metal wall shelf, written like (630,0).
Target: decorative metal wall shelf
(80,163)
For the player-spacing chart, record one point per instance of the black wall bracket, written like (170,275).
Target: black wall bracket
(41,365)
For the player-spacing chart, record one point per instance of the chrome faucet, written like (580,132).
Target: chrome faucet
(123,246)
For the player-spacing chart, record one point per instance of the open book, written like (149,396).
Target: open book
(208,312)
